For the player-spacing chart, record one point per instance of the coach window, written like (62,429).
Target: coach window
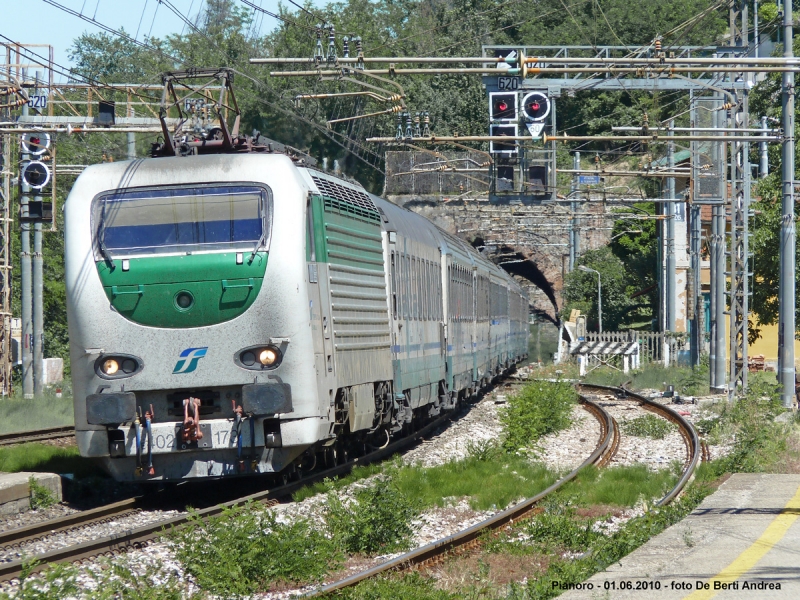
(393,278)
(426,291)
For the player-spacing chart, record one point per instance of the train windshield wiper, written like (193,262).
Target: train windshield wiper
(260,241)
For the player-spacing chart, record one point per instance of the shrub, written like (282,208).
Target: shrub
(245,549)
(378,520)
(41,497)
(538,409)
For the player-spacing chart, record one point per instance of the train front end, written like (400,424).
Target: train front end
(191,347)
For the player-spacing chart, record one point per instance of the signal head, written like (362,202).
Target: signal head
(35,143)
(536,107)
(508,148)
(35,174)
(503,106)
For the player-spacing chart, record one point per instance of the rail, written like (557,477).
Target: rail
(137,537)
(20,437)
(602,454)
(694,449)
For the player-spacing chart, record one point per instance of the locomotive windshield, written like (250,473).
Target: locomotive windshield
(161,220)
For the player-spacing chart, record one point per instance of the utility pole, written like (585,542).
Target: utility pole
(786,323)
(671,275)
(131,145)
(574,238)
(763,163)
(5,260)
(25,281)
(38,296)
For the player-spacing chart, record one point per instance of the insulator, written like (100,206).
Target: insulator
(318,47)
(359,47)
(331,43)
(399,133)
(345,47)
(417,132)
(658,44)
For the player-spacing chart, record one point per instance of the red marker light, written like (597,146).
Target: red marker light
(535,106)
(502,106)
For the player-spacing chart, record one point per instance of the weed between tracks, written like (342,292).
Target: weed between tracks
(589,524)
(648,425)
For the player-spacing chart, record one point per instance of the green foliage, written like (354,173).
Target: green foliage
(758,440)
(377,521)
(617,486)
(608,549)
(245,549)
(765,226)
(649,426)
(490,479)
(41,497)
(635,243)
(560,529)
(580,291)
(357,474)
(538,409)
(20,414)
(45,458)
(687,381)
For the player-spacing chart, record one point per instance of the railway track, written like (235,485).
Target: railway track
(694,449)
(36,435)
(137,537)
(602,455)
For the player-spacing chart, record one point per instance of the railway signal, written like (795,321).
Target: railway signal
(503,106)
(535,109)
(36,174)
(35,143)
(508,148)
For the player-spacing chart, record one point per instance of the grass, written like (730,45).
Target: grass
(44,458)
(618,486)
(246,549)
(489,482)
(649,426)
(687,381)
(537,409)
(41,497)
(377,521)
(17,414)
(357,474)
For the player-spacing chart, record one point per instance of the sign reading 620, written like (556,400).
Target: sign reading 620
(509,84)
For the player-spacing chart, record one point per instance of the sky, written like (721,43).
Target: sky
(36,22)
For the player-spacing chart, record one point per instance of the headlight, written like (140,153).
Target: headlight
(257,358)
(267,357)
(117,366)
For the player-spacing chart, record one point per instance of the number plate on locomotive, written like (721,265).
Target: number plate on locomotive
(217,434)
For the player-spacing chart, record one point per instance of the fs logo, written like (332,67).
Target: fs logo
(188,360)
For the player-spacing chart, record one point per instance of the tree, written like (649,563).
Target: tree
(580,290)
(766,224)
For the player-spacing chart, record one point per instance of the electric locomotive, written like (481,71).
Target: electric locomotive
(240,313)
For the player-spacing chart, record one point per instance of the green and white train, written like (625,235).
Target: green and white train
(239,314)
